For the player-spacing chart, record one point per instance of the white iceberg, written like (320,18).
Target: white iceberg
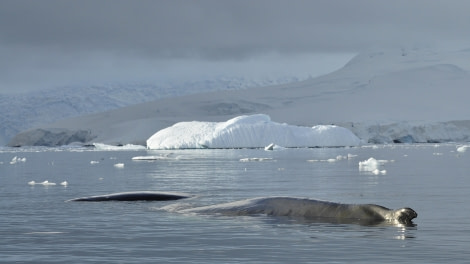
(254,131)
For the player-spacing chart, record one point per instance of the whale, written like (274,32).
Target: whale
(133,196)
(300,208)
(310,209)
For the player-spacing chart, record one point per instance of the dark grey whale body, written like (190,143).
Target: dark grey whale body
(133,196)
(308,209)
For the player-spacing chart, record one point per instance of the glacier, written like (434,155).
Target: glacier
(411,131)
(252,131)
(22,111)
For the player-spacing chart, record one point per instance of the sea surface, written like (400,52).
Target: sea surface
(37,225)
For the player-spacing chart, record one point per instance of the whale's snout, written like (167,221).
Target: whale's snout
(405,215)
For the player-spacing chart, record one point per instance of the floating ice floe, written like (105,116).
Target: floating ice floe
(255,159)
(94,162)
(160,157)
(119,165)
(270,146)
(255,131)
(273,146)
(101,146)
(339,157)
(372,165)
(377,172)
(15,160)
(463,148)
(350,156)
(44,183)
(147,158)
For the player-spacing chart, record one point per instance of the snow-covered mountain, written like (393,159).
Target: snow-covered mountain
(389,96)
(24,111)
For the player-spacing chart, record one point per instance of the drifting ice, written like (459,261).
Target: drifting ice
(255,131)
(372,165)
(44,183)
(462,149)
(15,159)
(119,165)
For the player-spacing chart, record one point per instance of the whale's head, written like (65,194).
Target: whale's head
(405,215)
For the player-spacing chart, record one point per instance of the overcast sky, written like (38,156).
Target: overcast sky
(55,42)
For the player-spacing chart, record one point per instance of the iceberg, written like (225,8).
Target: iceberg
(411,131)
(249,131)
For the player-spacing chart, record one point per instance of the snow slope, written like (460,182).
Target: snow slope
(21,111)
(253,131)
(395,95)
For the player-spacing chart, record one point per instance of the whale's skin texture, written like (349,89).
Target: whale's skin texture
(309,209)
(301,208)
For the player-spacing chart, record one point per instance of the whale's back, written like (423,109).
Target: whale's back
(308,209)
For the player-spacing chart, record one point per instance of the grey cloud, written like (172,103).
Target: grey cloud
(44,41)
(229,28)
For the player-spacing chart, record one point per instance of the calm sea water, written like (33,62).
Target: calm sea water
(38,226)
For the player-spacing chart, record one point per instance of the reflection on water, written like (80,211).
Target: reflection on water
(403,233)
(340,222)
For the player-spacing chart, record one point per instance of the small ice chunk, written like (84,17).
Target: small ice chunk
(147,158)
(350,156)
(372,165)
(101,146)
(64,183)
(324,160)
(47,183)
(462,149)
(377,172)
(119,165)
(254,159)
(15,160)
(94,162)
(269,147)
